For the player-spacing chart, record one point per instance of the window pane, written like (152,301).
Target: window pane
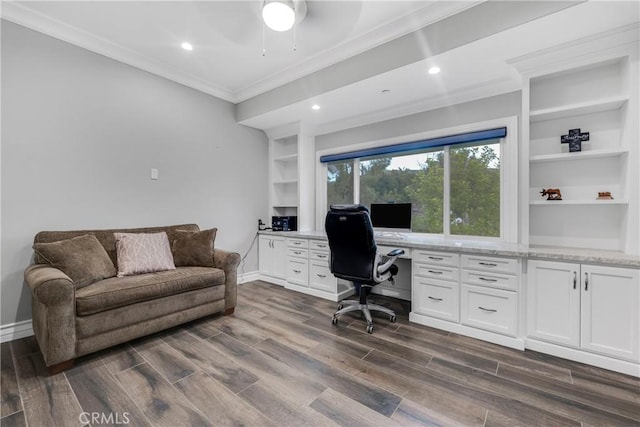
(411,178)
(340,183)
(475,190)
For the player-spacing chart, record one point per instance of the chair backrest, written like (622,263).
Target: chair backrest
(352,242)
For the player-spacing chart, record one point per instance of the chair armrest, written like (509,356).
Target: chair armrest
(228,262)
(53,309)
(49,285)
(393,255)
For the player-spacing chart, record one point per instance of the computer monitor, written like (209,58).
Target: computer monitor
(391,216)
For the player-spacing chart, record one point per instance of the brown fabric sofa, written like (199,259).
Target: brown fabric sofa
(71,321)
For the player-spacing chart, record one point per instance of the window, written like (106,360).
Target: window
(454,189)
(340,183)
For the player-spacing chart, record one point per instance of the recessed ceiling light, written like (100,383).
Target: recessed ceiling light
(186,46)
(434,70)
(315,107)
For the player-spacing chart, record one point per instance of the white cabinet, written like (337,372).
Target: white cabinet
(488,295)
(435,285)
(587,307)
(272,256)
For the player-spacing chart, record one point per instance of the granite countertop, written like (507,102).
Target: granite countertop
(552,253)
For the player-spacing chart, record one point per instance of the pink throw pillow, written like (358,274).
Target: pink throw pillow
(143,253)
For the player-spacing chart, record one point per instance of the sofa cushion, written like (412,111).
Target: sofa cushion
(143,253)
(81,258)
(121,291)
(106,237)
(193,248)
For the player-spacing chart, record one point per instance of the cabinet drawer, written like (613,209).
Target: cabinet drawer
(319,245)
(435,298)
(298,271)
(493,280)
(490,309)
(435,271)
(298,243)
(438,258)
(320,256)
(321,278)
(298,253)
(492,264)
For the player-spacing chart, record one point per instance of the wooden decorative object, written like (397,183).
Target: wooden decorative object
(551,193)
(574,139)
(604,195)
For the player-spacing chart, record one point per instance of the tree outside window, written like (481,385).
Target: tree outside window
(418,178)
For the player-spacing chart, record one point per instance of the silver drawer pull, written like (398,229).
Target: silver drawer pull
(322,276)
(297,252)
(488,264)
(435,299)
(486,279)
(297,271)
(436,258)
(490,310)
(297,243)
(322,246)
(435,272)
(322,256)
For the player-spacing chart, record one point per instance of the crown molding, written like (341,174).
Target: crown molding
(608,44)
(380,35)
(21,14)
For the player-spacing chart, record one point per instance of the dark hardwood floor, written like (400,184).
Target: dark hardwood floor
(278,361)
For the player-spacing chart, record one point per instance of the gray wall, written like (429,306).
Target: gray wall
(80,133)
(494,107)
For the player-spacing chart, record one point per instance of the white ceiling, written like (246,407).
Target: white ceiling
(227,59)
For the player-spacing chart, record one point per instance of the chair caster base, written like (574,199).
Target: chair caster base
(392,319)
(369,329)
(334,320)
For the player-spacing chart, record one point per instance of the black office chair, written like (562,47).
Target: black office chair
(355,257)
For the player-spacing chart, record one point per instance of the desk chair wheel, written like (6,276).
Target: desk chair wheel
(334,320)
(392,319)
(369,329)
(340,306)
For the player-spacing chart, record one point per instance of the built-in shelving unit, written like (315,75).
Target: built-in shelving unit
(284,176)
(594,97)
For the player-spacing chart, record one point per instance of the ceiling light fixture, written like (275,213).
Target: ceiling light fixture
(186,46)
(315,107)
(434,70)
(279,15)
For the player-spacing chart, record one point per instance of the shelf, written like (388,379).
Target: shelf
(578,202)
(605,104)
(593,154)
(287,158)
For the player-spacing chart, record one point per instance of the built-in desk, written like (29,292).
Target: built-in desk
(483,289)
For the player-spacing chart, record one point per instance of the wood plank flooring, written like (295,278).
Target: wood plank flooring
(278,361)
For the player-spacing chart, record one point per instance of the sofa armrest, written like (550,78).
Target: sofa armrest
(228,262)
(53,303)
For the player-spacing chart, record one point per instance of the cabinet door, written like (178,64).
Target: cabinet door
(265,255)
(610,311)
(436,298)
(272,256)
(279,257)
(553,302)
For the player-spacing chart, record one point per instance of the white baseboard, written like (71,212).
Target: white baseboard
(248,277)
(16,331)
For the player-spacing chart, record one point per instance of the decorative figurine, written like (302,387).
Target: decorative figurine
(604,195)
(551,193)
(574,139)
